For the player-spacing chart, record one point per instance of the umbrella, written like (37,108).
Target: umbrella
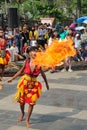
(81,19)
(85,21)
(79,28)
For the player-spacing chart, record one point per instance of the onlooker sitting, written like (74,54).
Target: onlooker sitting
(24,49)
(84,54)
(15,56)
(77,42)
(33,41)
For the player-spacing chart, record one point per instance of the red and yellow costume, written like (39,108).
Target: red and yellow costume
(28,88)
(4,54)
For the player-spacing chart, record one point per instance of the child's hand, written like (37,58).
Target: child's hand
(47,87)
(10,80)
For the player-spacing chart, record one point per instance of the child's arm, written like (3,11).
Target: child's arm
(17,74)
(45,79)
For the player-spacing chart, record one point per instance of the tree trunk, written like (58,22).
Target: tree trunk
(79,7)
(50,1)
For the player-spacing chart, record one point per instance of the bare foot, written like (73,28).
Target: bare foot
(28,124)
(21,118)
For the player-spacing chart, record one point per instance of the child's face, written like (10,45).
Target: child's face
(14,44)
(70,32)
(32,54)
(55,33)
(33,28)
(25,44)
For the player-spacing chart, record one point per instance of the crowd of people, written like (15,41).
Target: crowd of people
(42,35)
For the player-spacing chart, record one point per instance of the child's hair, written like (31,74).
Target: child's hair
(33,48)
(25,43)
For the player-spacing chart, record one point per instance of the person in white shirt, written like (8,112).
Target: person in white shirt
(33,41)
(15,56)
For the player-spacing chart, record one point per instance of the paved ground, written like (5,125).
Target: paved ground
(63,107)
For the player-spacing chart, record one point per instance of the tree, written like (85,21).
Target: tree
(60,9)
(79,7)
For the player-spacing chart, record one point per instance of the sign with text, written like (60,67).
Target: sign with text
(47,20)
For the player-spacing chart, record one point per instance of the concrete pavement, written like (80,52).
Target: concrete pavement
(63,107)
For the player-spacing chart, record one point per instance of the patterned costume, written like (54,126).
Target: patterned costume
(4,54)
(28,88)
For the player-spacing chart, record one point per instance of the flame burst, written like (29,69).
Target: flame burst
(54,54)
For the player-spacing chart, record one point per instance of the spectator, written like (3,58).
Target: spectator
(24,47)
(25,35)
(33,33)
(15,56)
(55,36)
(17,39)
(41,33)
(24,50)
(84,38)
(77,43)
(68,61)
(64,32)
(84,54)
(33,42)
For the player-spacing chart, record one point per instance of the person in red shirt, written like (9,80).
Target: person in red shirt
(24,49)
(4,55)
(28,88)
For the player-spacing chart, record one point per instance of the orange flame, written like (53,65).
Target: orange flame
(54,54)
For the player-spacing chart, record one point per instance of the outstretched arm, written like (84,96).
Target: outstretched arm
(45,79)
(17,74)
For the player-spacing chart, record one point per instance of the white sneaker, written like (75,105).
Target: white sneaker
(63,70)
(70,70)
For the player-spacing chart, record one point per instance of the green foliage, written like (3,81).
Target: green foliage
(59,9)
(84,7)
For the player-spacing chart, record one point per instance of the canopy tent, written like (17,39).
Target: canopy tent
(82,19)
(85,21)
